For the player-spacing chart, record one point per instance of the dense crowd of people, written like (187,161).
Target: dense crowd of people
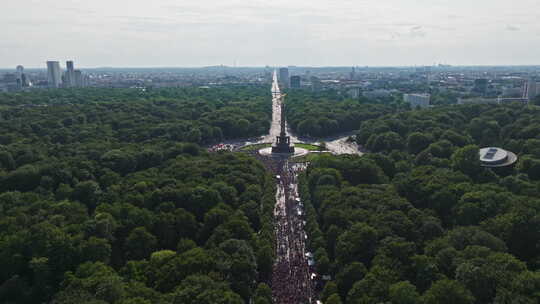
(292,276)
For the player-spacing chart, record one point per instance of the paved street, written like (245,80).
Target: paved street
(275,126)
(337,145)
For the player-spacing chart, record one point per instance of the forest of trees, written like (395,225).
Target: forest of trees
(130,115)
(419,220)
(325,113)
(105,197)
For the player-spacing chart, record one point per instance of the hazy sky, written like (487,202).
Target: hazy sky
(280,32)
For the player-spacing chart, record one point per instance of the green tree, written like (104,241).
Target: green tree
(329,289)
(448,292)
(140,244)
(204,290)
(333,299)
(88,193)
(96,250)
(403,293)
(417,142)
(119,161)
(356,244)
(467,160)
(350,274)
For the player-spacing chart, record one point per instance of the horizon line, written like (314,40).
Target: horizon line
(287,66)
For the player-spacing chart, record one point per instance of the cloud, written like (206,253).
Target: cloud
(512,28)
(416,31)
(265,31)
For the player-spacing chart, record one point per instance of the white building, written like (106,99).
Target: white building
(54,74)
(496,157)
(417,100)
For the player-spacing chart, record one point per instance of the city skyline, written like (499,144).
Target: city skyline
(278,33)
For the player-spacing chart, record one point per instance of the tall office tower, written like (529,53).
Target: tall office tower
(20,70)
(54,74)
(70,74)
(352,75)
(295,82)
(284,77)
(531,89)
(20,74)
(316,84)
(25,82)
(78,78)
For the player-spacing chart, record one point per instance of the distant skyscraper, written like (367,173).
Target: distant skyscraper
(316,84)
(20,70)
(79,79)
(20,76)
(70,74)
(353,74)
(295,82)
(54,74)
(530,89)
(284,77)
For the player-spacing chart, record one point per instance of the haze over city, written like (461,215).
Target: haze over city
(232,32)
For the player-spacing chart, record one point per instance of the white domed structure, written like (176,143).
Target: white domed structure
(496,157)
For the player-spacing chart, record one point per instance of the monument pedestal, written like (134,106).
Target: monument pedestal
(283,148)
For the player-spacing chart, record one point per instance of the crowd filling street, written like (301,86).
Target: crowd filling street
(292,275)
(294,278)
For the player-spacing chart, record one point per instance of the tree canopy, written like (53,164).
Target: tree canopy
(106,197)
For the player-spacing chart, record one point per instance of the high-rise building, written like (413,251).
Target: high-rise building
(80,79)
(25,82)
(352,75)
(70,74)
(295,82)
(54,74)
(530,89)
(284,77)
(20,70)
(316,84)
(417,100)
(10,82)
(20,76)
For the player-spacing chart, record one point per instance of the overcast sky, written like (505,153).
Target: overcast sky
(139,33)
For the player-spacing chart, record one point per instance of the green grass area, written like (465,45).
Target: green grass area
(255,147)
(311,157)
(308,147)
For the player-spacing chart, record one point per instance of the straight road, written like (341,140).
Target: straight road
(275,126)
(337,145)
